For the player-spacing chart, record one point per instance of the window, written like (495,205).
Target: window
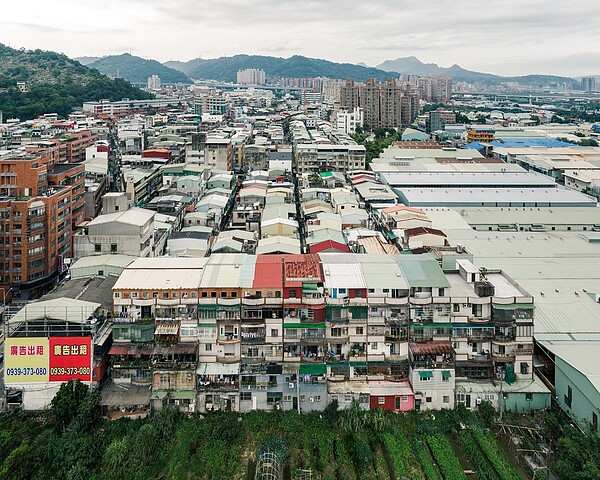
(97,248)
(274,332)
(223,294)
(287,398)
(373,345)
(446,399)
(441,290)
(595,421)
(360,330)
(342,291)
(134,294)
(569,396)
(175,295)
(233,294)
(117,295)
(194,295)
(303,398)
(427,399)
(456,307)
(292,293)
(381,400)
(317,398)
(154,294)
(386,290)
(358,293)
(213,294)
(524,368)
(404,398)
(529,396)
(371,290)
(204,294)
(113,248)
(397,403)
(245,396)
(165,295)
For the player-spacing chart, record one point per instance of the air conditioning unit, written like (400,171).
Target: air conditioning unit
(291,385)
(479,401)
(312,400)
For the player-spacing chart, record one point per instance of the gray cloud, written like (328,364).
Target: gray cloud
(496,36)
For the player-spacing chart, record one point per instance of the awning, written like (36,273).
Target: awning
(304,325)
(512,306)
(425,374)
(177,349)
(313,369)
(167,329)
(218,369)
(274,395)
(358,364)
(446,374)
(183,394)
(391,235)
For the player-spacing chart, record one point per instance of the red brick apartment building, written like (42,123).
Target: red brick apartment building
(40,202)
(73,144)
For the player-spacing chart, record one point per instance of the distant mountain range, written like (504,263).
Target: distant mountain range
(54,83)
(137,69)
(413,66)
(225,68)
(86,60)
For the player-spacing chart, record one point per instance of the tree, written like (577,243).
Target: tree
(65,404)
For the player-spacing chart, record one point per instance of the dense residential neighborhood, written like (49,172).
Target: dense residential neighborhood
(412,258)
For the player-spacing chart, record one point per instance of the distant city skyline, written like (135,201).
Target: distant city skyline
(509,37)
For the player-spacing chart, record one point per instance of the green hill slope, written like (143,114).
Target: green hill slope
(55,84)
(137,69)
(225,68)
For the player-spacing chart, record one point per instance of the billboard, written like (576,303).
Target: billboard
(26,360)
(54,359)
(70,358)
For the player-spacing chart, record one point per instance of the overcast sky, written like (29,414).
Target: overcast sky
(504,37)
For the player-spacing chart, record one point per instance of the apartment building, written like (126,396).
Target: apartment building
(129,232)
(386,105)
(37,218)
(284,331)
(312,157)
(435,89)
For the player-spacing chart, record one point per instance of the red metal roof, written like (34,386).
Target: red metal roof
(268,272)
(329,245)
(302,268)
(415,232)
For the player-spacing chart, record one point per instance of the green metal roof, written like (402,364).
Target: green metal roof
(422,271)
(313,369)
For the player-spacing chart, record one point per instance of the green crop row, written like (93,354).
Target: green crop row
(425,461)
(445,457)
(398,449)
(496,455)
(478,461)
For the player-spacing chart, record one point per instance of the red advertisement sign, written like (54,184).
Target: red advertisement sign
(70,358)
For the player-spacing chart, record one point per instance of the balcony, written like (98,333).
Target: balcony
(174,365)
(228,358)
(503,357)
(433,364)
(312,338)
(338,339)
(228,338)
(504,339)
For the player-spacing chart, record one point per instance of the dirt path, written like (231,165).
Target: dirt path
(388,460)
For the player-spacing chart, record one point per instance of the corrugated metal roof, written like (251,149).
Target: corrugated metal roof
(382,271)
(422,271)
(342,270)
